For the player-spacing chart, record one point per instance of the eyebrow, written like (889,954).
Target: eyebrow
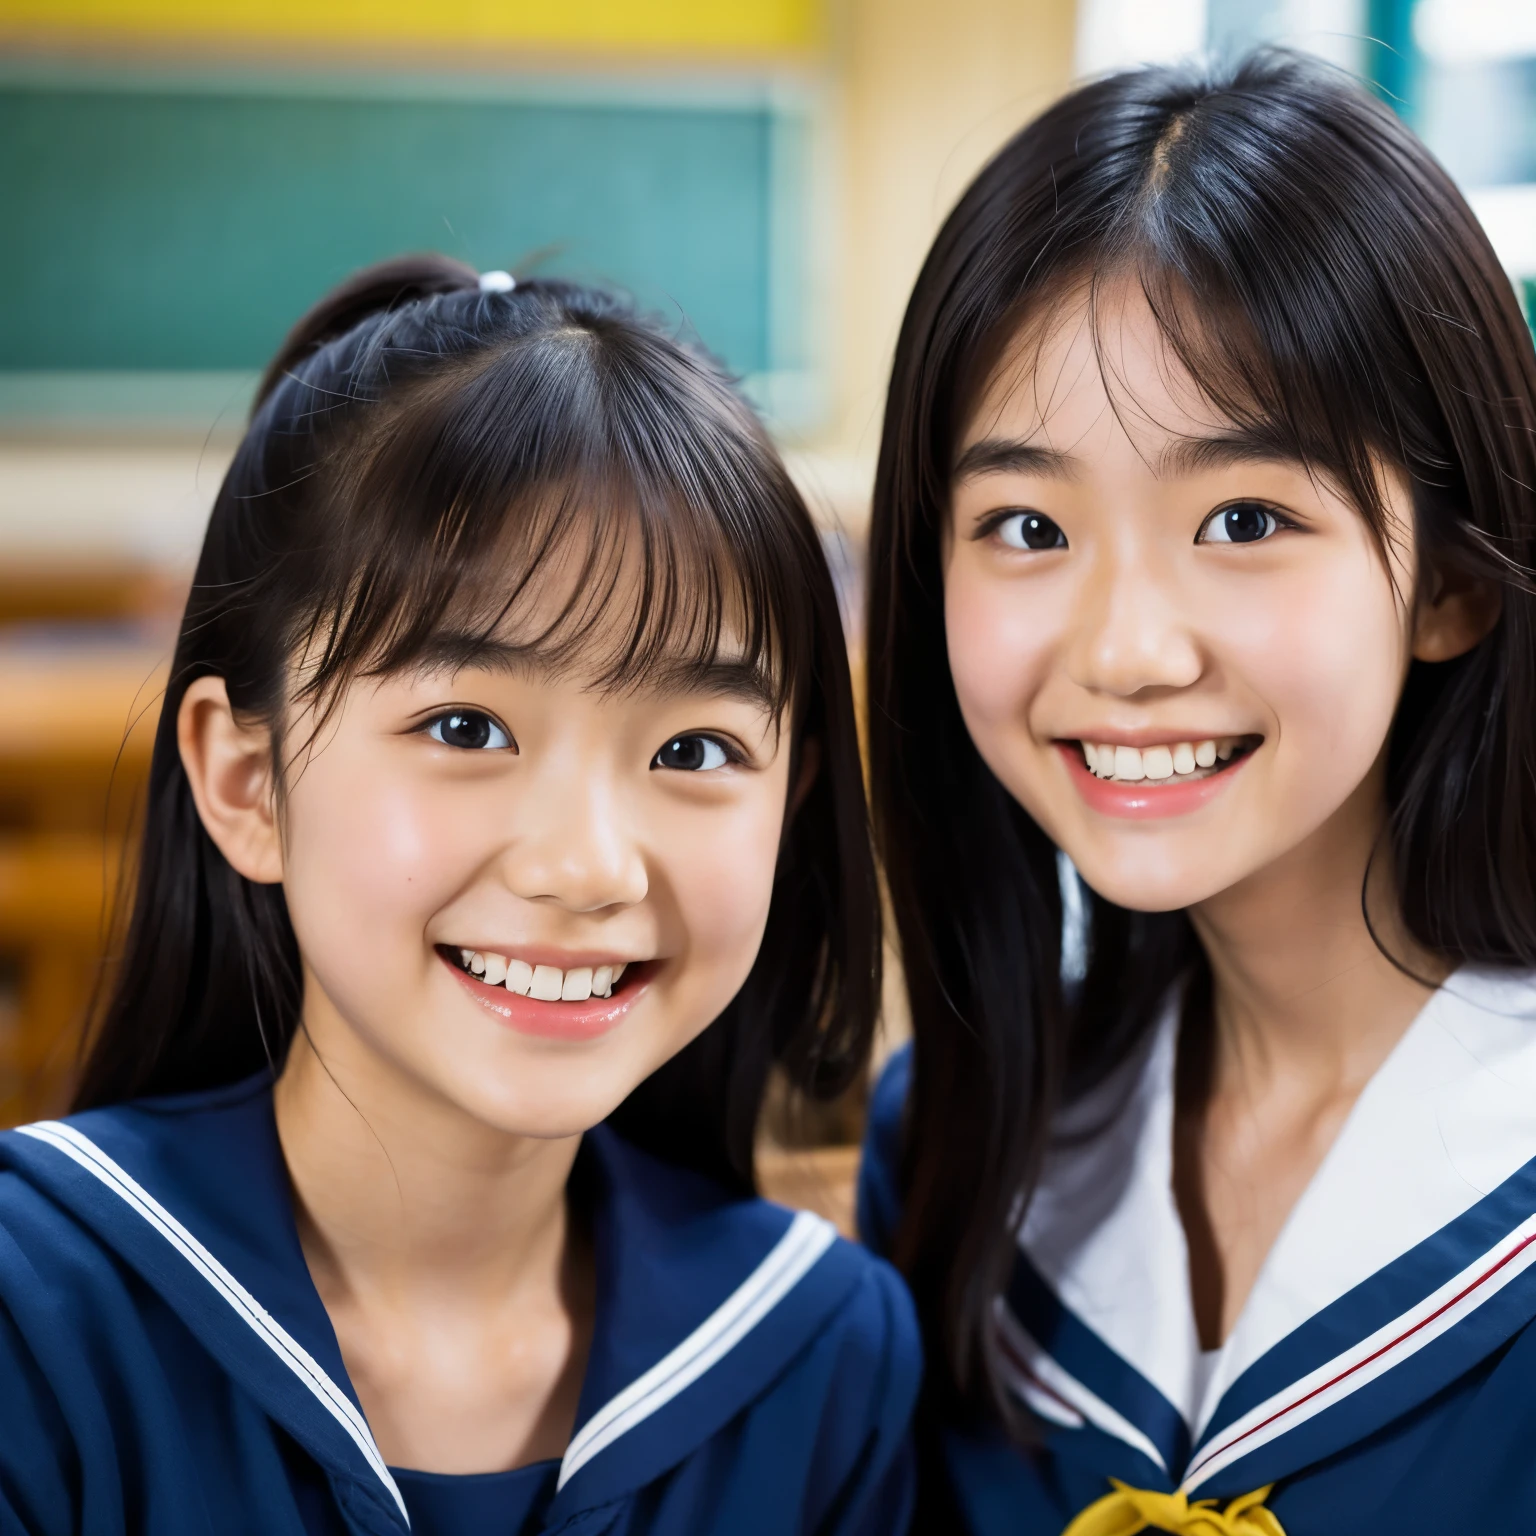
(713,677)
(1006,455)
(1260,443)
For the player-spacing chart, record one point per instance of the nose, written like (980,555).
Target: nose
(573,845)
(1132,631)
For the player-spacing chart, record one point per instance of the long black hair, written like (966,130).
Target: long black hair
(1320,276)
(413,427)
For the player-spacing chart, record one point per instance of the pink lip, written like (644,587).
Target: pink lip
(1143,801)
(552,1021)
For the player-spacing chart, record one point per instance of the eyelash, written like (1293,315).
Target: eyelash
(429,728)
(1278,517)
(993,522)
(729,751)
(732,754)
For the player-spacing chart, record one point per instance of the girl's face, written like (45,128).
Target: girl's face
(522,893)
(1180,653)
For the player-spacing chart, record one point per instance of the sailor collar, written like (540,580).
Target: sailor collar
(1406,1261)
(192,1193)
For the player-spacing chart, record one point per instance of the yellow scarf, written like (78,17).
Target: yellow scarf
(1129,1510)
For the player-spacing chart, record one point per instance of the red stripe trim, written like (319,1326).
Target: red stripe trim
(1360,1365)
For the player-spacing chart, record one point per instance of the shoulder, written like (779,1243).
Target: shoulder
(879,1170)
(82,1200)
(876,1329)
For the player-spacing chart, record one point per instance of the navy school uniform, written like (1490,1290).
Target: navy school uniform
(166,1365)
(1382,1374)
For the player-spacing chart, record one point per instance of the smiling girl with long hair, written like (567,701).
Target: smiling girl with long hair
(505,829)
(1203,726)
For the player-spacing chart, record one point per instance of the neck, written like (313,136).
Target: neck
(398,1188)
(1302,990)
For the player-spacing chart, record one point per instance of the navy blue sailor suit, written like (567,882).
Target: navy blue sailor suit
(1382,1373)
(166,1365)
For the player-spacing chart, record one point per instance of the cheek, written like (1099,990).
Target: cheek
(369,859)
(1326,652)
(999,643)
(721,869)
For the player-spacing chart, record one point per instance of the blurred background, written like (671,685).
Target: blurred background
(180,180)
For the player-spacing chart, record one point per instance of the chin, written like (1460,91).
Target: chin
(523,1097)
(1138,888)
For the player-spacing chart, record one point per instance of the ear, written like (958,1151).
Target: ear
(810,766)
(229,766)
(1458,611)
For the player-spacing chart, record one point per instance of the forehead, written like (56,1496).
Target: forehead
(1092,371)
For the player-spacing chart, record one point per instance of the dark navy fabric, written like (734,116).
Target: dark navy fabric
(491,1504)
(166,1365)
(1445,1442)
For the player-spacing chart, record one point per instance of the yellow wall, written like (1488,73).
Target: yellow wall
(929,89)
(610,26)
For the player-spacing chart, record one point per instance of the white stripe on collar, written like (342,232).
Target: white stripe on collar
(1389,1346)
(1057,1395)
(1447,1118)
(82,1150)
(787,1262)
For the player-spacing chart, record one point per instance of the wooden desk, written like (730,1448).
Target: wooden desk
(820,1179)
(78,710)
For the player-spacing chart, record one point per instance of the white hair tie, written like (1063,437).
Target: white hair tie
(497,282)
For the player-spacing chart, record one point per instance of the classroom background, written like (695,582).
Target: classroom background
(179,180)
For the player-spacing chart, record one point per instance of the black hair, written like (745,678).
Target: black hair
(1321,278)
(410,423)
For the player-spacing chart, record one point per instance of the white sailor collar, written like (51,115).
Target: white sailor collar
(1406,1260)
(193,1194)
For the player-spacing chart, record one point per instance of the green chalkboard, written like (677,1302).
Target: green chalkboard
(186,229)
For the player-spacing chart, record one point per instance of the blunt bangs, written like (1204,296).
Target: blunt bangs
(543,500)
(434,475)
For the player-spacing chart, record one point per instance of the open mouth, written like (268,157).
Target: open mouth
(545,983)
(1169,763)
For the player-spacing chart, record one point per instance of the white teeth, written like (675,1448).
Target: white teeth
(547,982)
(1128,764)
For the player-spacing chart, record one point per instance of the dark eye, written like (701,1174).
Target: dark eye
(1030,530)
(690,754)
(470,729)
(1244,522)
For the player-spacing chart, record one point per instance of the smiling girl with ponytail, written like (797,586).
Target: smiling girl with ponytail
(505,830)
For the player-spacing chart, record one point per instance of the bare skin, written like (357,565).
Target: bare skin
(512,809)
(1096,592)
(1305,1011)
(457,1282)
